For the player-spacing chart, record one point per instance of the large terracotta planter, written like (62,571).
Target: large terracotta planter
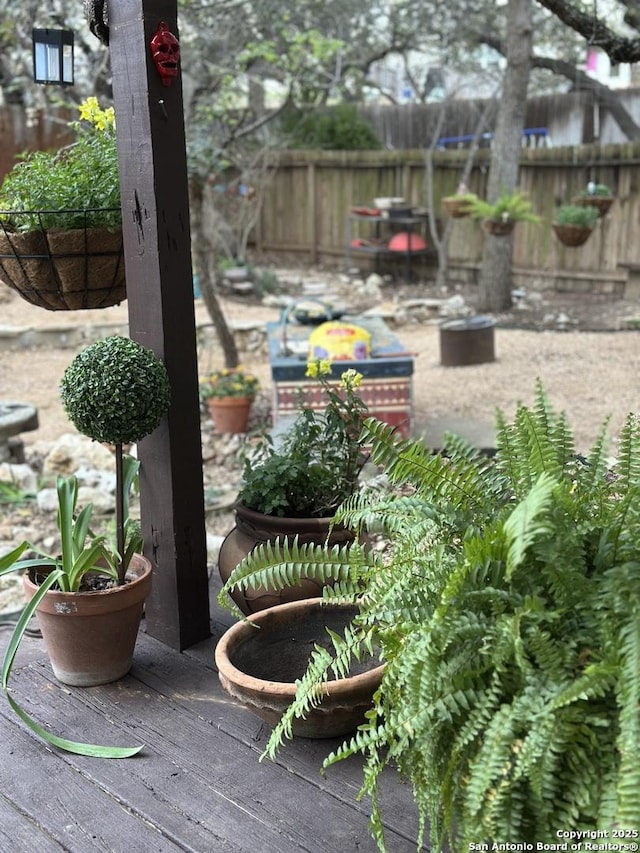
(255,528)
(90,636)
(230,414)
(259,667)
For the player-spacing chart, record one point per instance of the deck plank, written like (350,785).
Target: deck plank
(199,784)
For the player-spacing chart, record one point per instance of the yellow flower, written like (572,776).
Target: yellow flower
(319,367)
(101,119)
(351,379)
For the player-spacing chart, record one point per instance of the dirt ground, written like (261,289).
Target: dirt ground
(590,368)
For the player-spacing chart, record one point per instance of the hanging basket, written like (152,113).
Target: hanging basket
(572,235)
(60,269)
(456,206)
(498,228)
(601,202)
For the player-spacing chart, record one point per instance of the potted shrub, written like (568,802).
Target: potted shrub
(60,220)
(595,195)
(294,489)
(499,218)
(228,394)
(89,598)
(506,609)
(573,223)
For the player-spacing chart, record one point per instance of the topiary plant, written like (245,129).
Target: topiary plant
(507,611)
(116,391)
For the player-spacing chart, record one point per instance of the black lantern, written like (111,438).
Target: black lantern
(53,57)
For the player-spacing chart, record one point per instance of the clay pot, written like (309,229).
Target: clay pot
(259,667)
(230,414)
(255,528)
(90,636)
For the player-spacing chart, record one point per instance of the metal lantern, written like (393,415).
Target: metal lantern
(53,57)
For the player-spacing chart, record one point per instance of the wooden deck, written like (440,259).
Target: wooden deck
(198,785)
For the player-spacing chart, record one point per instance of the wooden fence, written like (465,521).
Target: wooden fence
(305,210)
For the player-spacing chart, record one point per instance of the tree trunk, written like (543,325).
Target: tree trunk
(203,253)
(495,274)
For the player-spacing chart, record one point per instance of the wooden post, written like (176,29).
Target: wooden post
(155,208)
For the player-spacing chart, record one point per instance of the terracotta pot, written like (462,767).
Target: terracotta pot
(572,235)
(259,667)
(498,229)
(90,636)
(230,414)
(255,528)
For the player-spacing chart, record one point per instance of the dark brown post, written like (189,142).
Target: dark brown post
(155,209)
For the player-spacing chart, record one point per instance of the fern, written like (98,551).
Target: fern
(504,601)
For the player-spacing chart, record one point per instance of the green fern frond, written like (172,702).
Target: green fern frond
(628,790)
(285,562)
(627,466)
(525,525)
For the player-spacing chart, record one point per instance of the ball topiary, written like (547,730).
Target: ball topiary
(116,391)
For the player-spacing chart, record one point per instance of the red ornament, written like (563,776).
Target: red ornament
(165,49)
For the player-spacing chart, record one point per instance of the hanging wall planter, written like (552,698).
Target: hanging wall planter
(595,195)
(573,223)
(497,228)
(601,203)
(62,269)
(572,235)
(456,206)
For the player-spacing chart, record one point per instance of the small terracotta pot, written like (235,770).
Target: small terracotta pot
(90,636)
(255,528)
(230,414)
(259,667)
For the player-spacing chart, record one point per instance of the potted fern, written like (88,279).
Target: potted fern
(89,598)
(60,220)
(506,609)
(499,218)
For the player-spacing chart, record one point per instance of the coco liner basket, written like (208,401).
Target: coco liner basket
(60,269)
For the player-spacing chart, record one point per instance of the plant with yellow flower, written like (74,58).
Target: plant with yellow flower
(61,186)
(229,382)
(317,464)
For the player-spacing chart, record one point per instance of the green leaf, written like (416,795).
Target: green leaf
(94,750)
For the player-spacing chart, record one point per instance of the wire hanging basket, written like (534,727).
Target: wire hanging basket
(63,268)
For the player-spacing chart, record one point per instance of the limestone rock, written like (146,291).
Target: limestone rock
(73,451)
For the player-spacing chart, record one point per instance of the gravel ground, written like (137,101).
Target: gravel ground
(589,374)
